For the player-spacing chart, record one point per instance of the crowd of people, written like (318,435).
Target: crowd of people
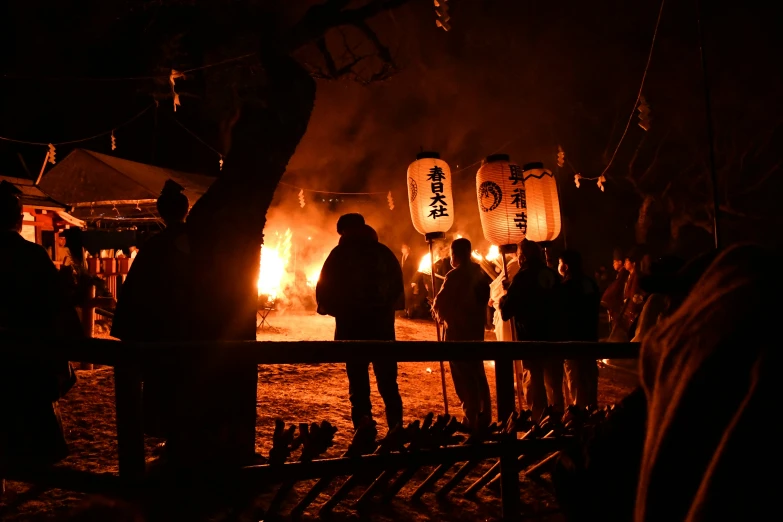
(705,367)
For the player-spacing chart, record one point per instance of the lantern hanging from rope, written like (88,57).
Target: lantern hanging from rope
(502,201)
(429,195)
(543,204)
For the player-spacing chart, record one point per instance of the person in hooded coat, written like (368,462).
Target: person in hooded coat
(33,305)
(361,287)
(532,301)
(153,303)
(461,305)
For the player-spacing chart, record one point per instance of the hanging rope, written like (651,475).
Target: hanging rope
(80,140)
(333,193)
(638,95)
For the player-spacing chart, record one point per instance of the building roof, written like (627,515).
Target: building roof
(33,196)
(86,178)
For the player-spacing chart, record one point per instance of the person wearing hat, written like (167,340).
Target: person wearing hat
(32,305)
(361,287)
(154,301)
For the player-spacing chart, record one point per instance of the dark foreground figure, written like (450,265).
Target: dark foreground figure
(361,287)
(693,443)
(32,305)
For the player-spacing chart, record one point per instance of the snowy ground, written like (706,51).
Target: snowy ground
(294,393)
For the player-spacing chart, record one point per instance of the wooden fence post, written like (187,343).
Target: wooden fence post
(504,386)
(509,473)
(88,321)
(130,429)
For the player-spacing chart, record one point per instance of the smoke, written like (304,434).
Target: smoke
(478,90)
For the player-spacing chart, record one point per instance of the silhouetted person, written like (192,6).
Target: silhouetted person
(579,307)
(154,302)
(710,372)
(613,298)
(461,306)
(532,301)
(32,305)
(361,287)
(409,269)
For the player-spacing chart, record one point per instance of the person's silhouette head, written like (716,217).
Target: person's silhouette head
(10,207)
(460,252)
(172,204)
(349,221)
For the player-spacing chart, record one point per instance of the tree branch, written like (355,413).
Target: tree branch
(320,18)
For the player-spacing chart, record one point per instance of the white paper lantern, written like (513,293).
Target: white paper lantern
(500,191)
(543,204)
(429,194)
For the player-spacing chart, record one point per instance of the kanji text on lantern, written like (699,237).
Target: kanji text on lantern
(438,200)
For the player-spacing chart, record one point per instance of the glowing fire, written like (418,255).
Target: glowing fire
(274,261)
(494,253)
(425,266)
(312,278)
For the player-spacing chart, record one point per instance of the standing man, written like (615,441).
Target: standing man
(579,304)
(532,301)
(361,286)
(461,306)
(153,307)
(408,266)
(32,305)
(613,297)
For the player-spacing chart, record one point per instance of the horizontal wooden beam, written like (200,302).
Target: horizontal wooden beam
(395,460)
(109,352)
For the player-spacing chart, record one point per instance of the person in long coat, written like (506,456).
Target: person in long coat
(579,307)
(32,305)
(361,287)
(531,300)
(153,304)
(460,306)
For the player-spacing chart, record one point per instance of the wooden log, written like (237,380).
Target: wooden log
(108,352)
(310,496)
(458,477)
(504,385)
(430,481)
(509,479)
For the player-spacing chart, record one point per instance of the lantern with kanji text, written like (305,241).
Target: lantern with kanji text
(543,204)
(501,200)
(429,195)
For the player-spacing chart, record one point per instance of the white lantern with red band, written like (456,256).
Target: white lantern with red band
(429,195)
(543,204)
(500,191)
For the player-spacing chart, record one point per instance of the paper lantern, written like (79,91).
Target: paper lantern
(543,204)
(501,200)
(429,194)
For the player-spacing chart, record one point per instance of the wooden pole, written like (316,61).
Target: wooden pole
(88,321)
(437,330)
(504,376)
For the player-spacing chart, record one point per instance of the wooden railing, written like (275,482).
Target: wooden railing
(130,359)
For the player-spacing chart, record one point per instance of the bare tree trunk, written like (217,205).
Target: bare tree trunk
(644,221)
(226,229)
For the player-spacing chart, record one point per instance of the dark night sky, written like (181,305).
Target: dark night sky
(523,76)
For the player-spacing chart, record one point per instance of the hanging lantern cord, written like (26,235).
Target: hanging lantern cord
(437,327)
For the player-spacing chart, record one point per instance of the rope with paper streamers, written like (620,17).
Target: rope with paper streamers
(302,190)
(52,146)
